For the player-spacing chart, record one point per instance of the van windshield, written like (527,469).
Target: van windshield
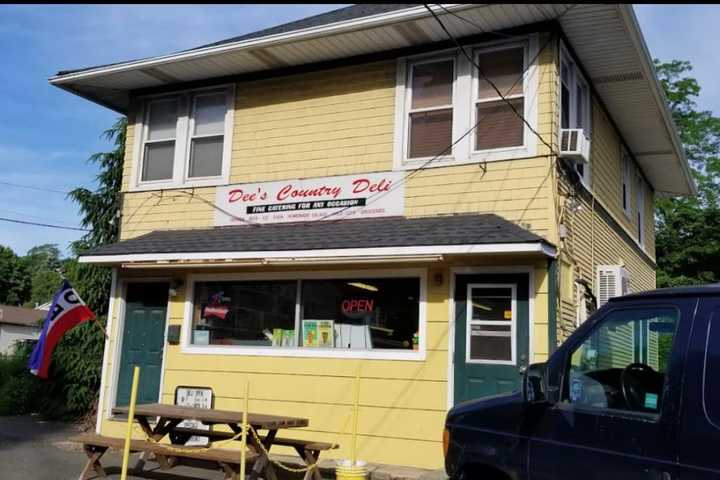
(622,364)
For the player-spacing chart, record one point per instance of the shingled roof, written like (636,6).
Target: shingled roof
(27,317)
(346,234)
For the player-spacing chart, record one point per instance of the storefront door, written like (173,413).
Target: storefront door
(143,339)
(491,334)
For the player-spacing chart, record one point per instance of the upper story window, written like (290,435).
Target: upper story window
(448,112)
(575,106)
(184,139)
(625,192)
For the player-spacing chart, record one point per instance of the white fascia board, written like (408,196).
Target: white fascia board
(498,248)
(633,27)
(380,19)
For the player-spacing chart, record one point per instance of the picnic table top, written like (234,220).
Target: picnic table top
(210,416)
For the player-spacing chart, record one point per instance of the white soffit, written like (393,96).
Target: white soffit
(606,39)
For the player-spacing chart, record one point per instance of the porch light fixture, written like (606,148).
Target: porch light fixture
(364,286)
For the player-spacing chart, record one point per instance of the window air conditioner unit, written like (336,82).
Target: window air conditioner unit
(574,145)
(612,281)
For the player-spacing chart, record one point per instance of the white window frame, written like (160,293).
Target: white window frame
(575,77)
(185,125)
(469,322)
(625,183)
(464,97)
(640,202)
(299,351)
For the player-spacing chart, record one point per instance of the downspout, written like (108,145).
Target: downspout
(552,305)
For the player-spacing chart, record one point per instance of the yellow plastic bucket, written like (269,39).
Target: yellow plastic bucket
(346,471)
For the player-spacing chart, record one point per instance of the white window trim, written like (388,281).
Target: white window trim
(640,193)
(464,97)
(181,161)
(565,57)
(469,322)
(379,354)
(626,181)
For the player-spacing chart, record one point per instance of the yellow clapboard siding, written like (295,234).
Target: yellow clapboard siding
(374,392)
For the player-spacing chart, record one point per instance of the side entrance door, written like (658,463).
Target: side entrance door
(491,334)
(143,338)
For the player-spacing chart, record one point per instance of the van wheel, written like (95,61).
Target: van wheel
(483,472)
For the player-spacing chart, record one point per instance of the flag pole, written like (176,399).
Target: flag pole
(97,322)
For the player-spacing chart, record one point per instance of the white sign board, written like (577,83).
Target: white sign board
(198,398)
(310,199)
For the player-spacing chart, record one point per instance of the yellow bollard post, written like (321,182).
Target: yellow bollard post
(131,418)
(243,437)
(353,453)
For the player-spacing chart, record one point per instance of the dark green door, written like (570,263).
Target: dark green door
(491,334)
(143,339)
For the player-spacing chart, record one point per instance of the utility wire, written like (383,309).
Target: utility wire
(61,227)
(42,189)
(375,197)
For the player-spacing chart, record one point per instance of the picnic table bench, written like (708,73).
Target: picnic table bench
(167,424)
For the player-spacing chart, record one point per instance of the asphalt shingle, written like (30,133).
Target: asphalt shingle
(467,229)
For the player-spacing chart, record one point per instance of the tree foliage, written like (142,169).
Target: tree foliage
(688,229)
(15,285)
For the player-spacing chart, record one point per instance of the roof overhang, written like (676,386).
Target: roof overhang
(606,38)
(418,254)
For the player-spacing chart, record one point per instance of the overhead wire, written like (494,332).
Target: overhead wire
(38,224)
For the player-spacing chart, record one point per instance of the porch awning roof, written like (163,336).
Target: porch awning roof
(369,239)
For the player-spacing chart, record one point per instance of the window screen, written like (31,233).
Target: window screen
(159,149)
(490,324)
(206,142)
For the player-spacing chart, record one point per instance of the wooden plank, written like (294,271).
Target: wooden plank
(211,416)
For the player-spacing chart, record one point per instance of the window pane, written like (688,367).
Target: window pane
(622,364)
(505,69)
(158,161)
(491,304)
(206,157)
(209,114)
(379,313)
(430,133)
(258,313)
(498,125)
(432,84)
(564,107)
(490,345)
(711,394)
(580,106)
(162,120)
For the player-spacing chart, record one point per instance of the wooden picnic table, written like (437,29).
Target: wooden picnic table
(170,416)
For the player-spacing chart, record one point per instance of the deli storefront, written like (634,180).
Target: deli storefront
(299,284)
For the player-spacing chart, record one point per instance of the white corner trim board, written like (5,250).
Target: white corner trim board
(497,248)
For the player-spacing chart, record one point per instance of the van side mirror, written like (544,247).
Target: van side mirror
(533,384)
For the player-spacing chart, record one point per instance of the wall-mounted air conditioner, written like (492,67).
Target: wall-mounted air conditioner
(574,145)
(612,281)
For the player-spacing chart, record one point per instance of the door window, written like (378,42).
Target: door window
(491,324)
(711,382)
(622,364)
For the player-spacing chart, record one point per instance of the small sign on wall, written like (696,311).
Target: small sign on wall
(197,397)
(309,199)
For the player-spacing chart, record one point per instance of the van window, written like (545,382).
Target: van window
(621,365)
(711,393)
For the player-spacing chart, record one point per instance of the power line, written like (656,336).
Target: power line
(31,187)
(61,227)
(375,197)
(477,25)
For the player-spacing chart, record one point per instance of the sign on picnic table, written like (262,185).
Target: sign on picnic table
(197,397)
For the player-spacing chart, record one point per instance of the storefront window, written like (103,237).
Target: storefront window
(360,314)
(357,314)
(244,313)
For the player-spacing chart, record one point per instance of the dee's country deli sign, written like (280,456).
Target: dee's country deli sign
(331,198)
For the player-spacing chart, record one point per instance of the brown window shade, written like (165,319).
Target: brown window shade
(432,84)
(504,68)
(498,125)
(430,133)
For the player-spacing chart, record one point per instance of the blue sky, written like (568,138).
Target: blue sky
(47,134)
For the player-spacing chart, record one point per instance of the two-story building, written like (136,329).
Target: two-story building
(436,198)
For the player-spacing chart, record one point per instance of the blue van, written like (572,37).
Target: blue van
(634,393)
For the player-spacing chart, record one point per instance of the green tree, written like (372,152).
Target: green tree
(14,278)
(74,377)
(688,229)
(42,262)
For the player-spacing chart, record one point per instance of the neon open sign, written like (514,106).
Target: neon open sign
(357,305)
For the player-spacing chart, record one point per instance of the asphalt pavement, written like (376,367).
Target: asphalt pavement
(31,449)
